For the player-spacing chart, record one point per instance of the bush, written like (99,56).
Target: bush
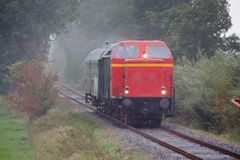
(34,93)
(204,90)
(7,74)
(8,81)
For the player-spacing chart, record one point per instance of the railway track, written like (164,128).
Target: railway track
(182,144)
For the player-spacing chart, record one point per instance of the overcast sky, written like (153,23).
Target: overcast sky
(235,14)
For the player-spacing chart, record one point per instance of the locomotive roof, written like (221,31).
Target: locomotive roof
(95,55)
(143,41)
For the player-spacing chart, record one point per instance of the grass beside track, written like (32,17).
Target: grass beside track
(63,134)
(227,137)
(14,141)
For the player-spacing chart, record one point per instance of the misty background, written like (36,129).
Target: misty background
(198,29)
(99,21)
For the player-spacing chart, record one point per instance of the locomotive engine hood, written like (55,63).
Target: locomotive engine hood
(148,78)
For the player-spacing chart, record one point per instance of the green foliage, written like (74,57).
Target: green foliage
(151,24)
(187,25)
(204,89)
(3,72)
(9,79)
(14,142)
(26,26)
(231,43)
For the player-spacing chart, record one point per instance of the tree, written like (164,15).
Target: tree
(188,26)
(231,43)
(151,25)
(26,26)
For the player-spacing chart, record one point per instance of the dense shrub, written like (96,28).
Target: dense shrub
(204,90)
(34,92)
(8,80)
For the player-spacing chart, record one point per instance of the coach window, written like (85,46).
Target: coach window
(157,51)
(127,51)
(109,53)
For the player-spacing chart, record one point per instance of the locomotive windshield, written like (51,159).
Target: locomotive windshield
(157,51)
(127,51)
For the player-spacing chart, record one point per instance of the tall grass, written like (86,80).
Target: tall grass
(14,141)
(204,90)
(63,134)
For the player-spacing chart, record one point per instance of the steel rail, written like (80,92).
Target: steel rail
(135,130)
(73,90)
(202,143)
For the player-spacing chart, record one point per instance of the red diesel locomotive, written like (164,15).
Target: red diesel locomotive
(132,80)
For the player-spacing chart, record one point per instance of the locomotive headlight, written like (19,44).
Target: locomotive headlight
(145,55)
(126,91)
(163,91)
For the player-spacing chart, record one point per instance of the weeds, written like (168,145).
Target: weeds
(203,92)
(14,141)
(64,135)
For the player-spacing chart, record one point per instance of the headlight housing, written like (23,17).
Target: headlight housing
(163,91)
(126,90)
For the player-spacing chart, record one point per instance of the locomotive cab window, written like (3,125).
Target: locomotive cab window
(127,51)
(157,51)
